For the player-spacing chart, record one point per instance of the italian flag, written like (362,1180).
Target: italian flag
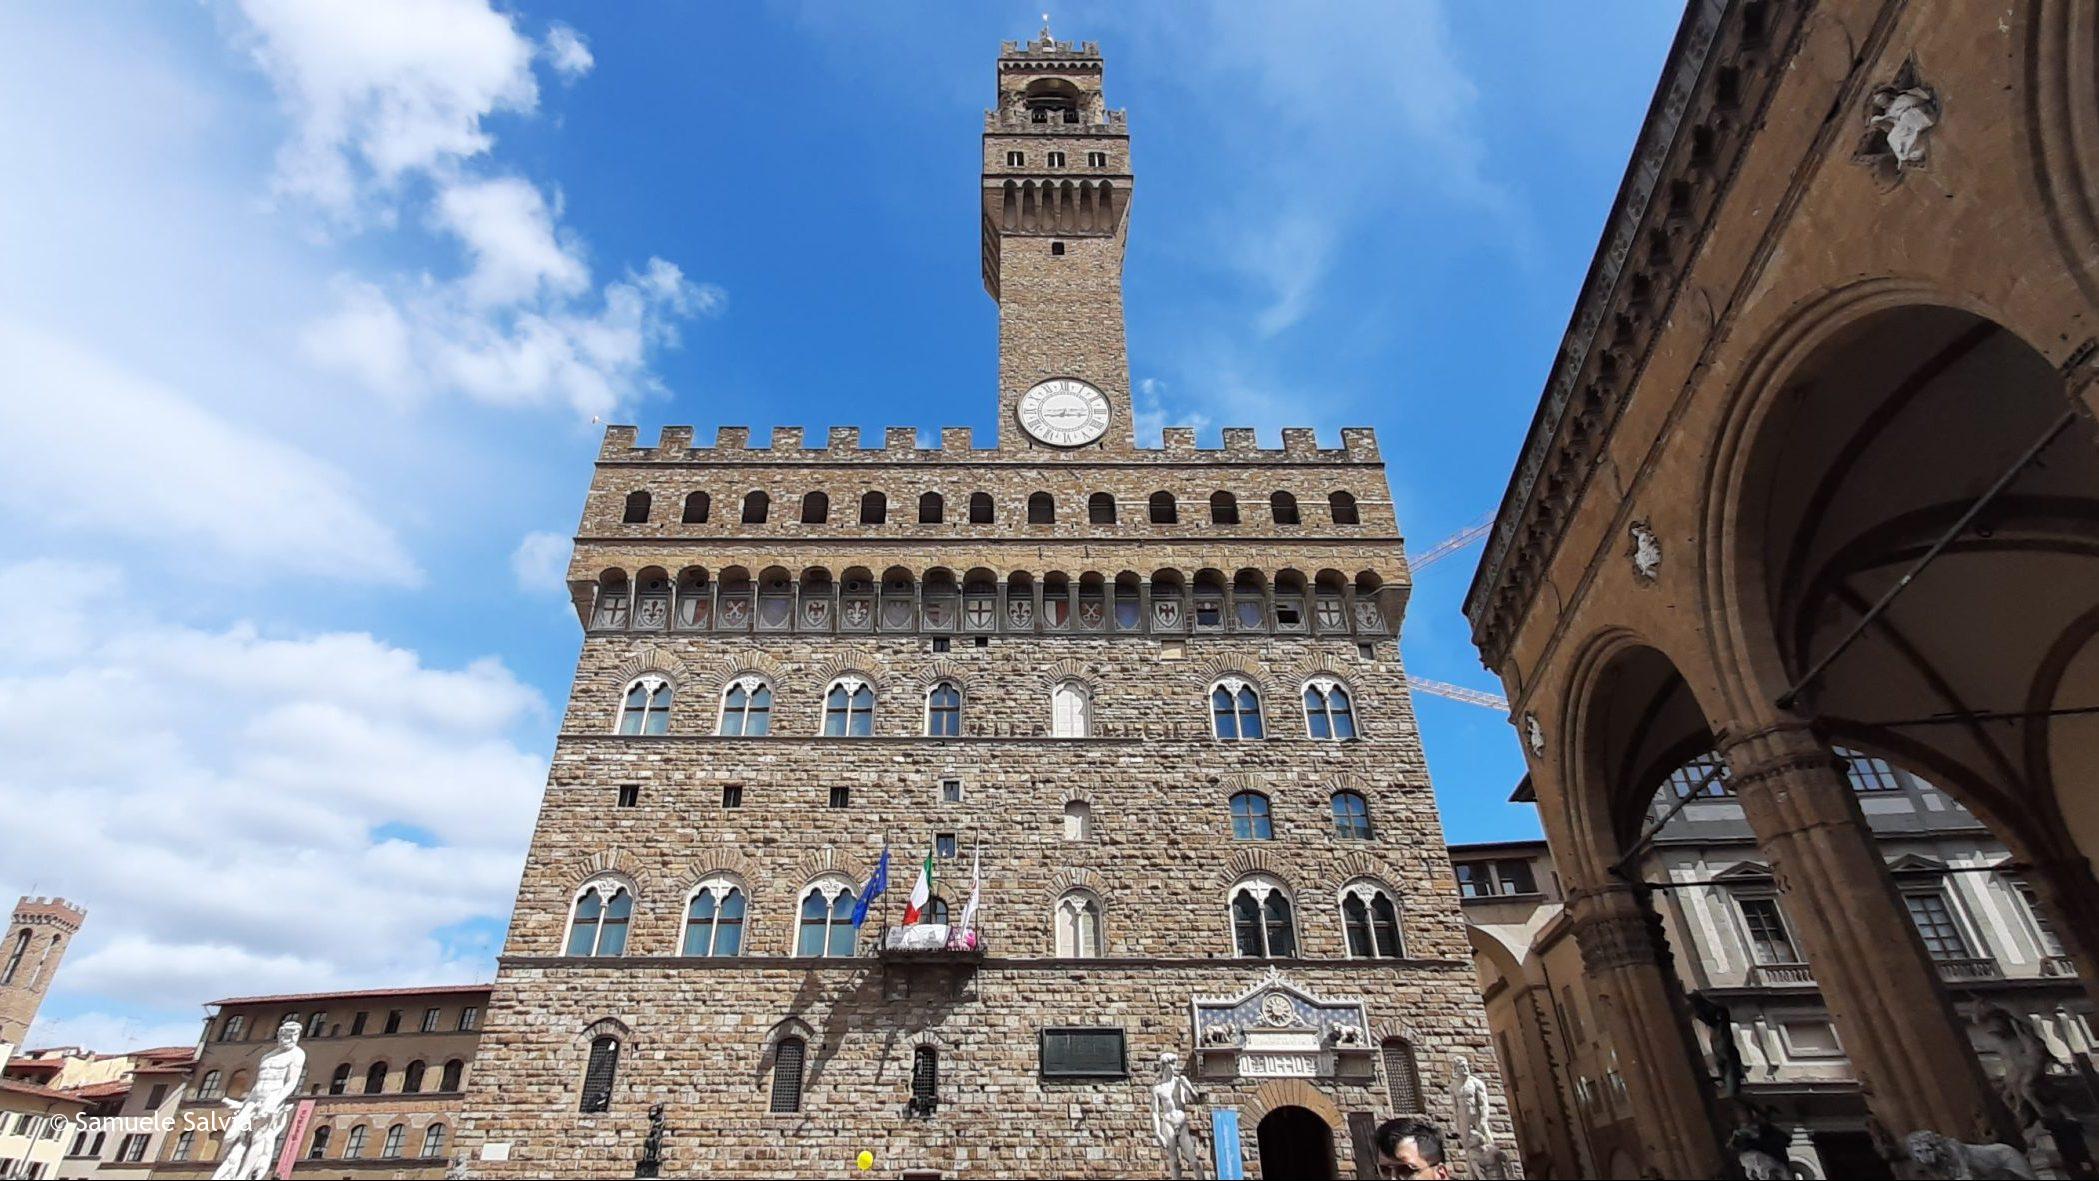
(921,893)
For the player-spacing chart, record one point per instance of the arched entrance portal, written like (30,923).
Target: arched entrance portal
(1296,1145)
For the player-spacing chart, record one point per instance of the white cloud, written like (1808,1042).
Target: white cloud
(213,494)
(509,233)
(568,53)
(540,563)
(113,1032)
(594,360)
(380,88)
(226,843)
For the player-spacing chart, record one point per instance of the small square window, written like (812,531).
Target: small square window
(1056,159)
(1097,159)
(732,795)
(1367,651)
(430,1020)
(951,791)
(983,641)
(940,643)
(1057,248)
(944,844)
(1016,159)
(629,794)
(841,797)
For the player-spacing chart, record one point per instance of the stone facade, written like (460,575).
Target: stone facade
(375,1061)
(1084,619)
(38,934)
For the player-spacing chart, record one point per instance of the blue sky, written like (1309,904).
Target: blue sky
(308,307)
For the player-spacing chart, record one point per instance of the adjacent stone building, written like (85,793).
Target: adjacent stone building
(386,1070)
(1733,937)
(1814,465)
(1154,693)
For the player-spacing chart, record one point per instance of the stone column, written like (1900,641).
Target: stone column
(1626,965)
(1908,1049)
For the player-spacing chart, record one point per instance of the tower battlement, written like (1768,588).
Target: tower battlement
(53,910)
(732,444)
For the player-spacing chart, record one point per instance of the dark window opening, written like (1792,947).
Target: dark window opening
(841,797)
(931,509)
(629,794)
(755,507)
(599,1073)
(732,795)
(925,1081)
(1163,509)
(637,509)
(787,1075)
(980,508)
(816,508)
(1284,506)
(1041,509)
(1057,248)
(1100,509)
(874,509)
(696,507)
(1344,507)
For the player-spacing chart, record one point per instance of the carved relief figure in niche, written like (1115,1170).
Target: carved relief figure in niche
(1646,551)
(1899,119)
(1534,735)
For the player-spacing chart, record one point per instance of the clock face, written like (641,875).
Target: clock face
(1064,412)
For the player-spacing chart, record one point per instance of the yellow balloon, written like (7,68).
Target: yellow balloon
(866,1159)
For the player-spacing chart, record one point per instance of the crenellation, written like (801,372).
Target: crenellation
(900,438)
(1177,440)
(1360,442)
(618,443)
(787,438)
(732,438)
(674,442)
(844,439)
(957,439)
(1300,440)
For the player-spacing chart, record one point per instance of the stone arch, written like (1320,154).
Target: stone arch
(606,1026)
(651,659)
(1322,664)
(1076,877)
(743,664)
(1357,864)
(1290,1092)
(827,861)
(1248,862)
(619,862)
(729,862)
(1216,667)
(852,662)
(944,670)
(1067,669)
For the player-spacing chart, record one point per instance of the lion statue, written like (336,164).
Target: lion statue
(1945,1157)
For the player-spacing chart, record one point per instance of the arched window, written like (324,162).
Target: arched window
(936,910)
(714,919)
(647,706)
(874,509)
(1351,816)
(1328,712)
(318,1149)
(1224,508)
(412,1078)
(931,509)
(1163,510)
(787,1074)
(599,1074)
(1235,710)
(826,927)
(1402,1075)
(1041,509)
(1261,922)
(1370,919)
(394,1136)
(603,910)
(747,708)
(339,1082)
(637,512)
(980,508)
(816,508)
(1078,921)
(1250,818)
(353,1146)
(925,1080)
(209,1088)
(433,1142)
(697,505)
(452,1077)
(1284,507)
(1344,509)
(375,1078)
(849,709)
(1100,509)
(14,957)
(944,710)
(1071,710)
(755,507)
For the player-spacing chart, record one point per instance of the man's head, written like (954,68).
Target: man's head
(1409,1149)
(288,1034)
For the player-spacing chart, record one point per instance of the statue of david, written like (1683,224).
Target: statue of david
(256,1133)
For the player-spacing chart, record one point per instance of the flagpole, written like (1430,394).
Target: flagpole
(884,936)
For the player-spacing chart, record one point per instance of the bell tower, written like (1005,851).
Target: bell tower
(1056,199)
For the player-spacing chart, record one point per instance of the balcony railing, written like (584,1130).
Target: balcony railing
(1769,975)
(2058,965)
(1973,968)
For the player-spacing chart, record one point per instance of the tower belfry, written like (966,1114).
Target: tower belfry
(1056,201)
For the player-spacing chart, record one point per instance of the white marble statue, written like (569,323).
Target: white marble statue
(1473,1108)
(1172,1123)
(1943,1156)
(1904,115)
(256,1132)
(1646,552)
(2026,1060)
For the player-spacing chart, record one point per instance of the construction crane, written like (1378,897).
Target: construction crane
(1430,557)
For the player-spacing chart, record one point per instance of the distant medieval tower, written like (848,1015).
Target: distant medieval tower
(37,935)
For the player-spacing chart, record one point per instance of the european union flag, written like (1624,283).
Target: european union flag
(875,885)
